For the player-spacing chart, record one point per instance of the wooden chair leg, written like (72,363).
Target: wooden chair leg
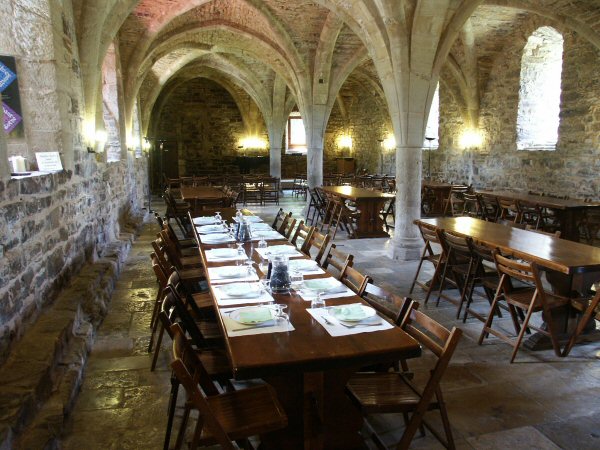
(157,347)
(582,323)
(521,333)
(488,323)
(171,411)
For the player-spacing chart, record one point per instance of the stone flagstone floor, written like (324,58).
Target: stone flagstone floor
(539,402)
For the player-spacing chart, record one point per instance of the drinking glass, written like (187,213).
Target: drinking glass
(249,266)
(241,254)
(281,317)
(218,218)
(296,279)
(318,301)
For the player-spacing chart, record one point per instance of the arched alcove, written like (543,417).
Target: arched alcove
(539,93)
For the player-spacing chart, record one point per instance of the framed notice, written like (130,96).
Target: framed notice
(48,162)
(11,102)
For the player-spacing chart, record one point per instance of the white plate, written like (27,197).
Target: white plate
(252,315)
(205,229)
(241,290)
(231,272)
(267,234)
(215,237)
(223,253)
(206,220)
(322,284)
(352,313)
(261,226)
(282,250)
(249,219)
(303,265)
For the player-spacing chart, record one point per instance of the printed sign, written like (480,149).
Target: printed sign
(48,162)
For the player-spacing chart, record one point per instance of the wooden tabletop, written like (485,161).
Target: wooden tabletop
(548,251)
(542,200)
(436,184)
(310,347)
(355,193)
(201,192)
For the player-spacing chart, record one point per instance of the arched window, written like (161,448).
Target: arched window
(296,134)
(433,122)
(539,94)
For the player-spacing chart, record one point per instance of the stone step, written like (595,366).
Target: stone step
(42,376)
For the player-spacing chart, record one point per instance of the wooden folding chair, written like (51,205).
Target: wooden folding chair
(302,234)
(453,205)
(225,417)
(428,255)
(394,392)
(589,307)
(386,302)
(509,210)
(287,226)
(528,300)
(338,260)
(355,280)
(318,241)
(279,218)
(490,209)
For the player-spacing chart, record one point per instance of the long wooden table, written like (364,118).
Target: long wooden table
(572,266)
(569,212)
(369,203)
(189,193)
(440,191)
(309,369)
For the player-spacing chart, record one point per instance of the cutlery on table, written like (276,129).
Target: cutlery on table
(252,327)
(354,325)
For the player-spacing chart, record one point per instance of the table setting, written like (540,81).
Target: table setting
(343,320)
(224,254)
(277,250)
(216,238)
(267,235)
(204,220)
(241,293)
(327,288)
(255,320)
(211,229)
(230,274)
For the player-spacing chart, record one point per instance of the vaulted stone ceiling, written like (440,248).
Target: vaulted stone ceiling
(248,43)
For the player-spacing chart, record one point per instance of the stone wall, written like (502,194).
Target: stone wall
(366,120)
(205,121)
(572,168)
(51,225)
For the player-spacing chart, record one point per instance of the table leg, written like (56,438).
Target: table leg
(570,286)
(370,224)
(320,415)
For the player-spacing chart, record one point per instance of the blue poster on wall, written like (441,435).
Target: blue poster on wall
(11,103)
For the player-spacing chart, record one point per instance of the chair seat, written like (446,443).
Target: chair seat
(216,363)
(190,252)
(203,300)
(522,299)
(244,413)
(193,274)
(191,261)
(383,393)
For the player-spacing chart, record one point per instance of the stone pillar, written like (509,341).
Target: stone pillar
(315,133)
(314,166)
(407,243)
(275,161)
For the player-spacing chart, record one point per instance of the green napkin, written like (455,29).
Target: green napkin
(350,312)
(255,315)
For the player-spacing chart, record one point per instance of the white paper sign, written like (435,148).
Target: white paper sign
(48,162)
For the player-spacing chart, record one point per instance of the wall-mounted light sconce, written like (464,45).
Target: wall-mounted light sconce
(470,138)
(389,143)
(253,143)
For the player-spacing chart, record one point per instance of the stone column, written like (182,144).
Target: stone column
(275,161)
(315,133)
(407,243)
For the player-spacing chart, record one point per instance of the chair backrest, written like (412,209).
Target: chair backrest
(456,247)
(278,219)
(547,233)
(171,249)
(433,336)
(429,237)
(489,207)
(319,241)
(355,280)
(513,269)
(337,259)
(161,275)
(187,321)
(161,255)
(386,302)
(509,209)
(194,377)
(287,226)
(471,206)
(303,232)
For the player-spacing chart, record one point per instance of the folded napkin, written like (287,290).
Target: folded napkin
(336,328)
(261,226)
(266,235)
(205,220)
(234,328)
